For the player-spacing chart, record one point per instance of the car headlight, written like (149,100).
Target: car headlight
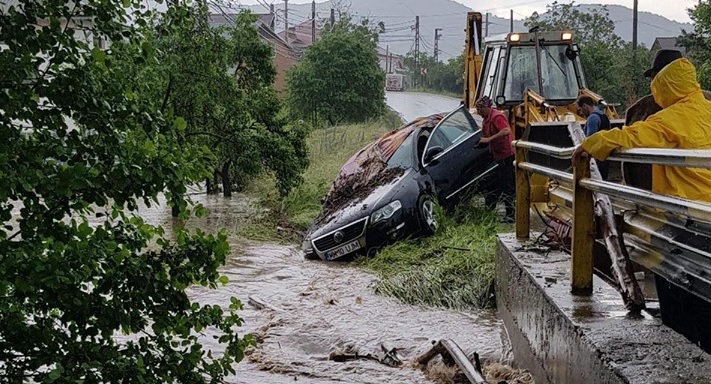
(385,212)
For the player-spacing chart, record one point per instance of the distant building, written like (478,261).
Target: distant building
(667,43)
(284,54)
(299,36)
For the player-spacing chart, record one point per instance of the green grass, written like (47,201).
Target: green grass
(453,269)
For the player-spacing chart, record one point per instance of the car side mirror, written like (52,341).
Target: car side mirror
(432,152)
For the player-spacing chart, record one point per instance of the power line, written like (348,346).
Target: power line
(658,27)
(396,29)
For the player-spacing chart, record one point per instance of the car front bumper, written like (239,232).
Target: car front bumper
(372,237)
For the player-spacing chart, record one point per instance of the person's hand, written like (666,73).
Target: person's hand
(578,153)
(484,140)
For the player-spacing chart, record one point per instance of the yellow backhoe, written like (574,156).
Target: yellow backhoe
(535,78)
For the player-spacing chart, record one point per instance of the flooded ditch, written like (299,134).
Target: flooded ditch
(317,308)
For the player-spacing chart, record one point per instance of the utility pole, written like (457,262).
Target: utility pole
(313,21)
(436,44)
(333,18)
(633,92)
(271,12)
(387,59)
(511,28)
(417,48)
(486,26)
(286,21)
(635,11)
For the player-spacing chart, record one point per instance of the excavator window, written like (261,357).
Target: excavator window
(558,73)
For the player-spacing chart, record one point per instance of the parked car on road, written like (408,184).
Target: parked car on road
(388,190)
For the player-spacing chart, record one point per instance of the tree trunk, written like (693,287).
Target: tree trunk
(225,175)
(212,184)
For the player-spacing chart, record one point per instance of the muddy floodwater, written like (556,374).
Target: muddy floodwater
(412,105)
(317,308)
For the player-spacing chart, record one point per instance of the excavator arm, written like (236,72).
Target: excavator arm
(472,58)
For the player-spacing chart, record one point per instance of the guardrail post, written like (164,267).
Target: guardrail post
(523,197)
(583,231)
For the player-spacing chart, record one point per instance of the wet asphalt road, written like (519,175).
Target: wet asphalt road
(411,105)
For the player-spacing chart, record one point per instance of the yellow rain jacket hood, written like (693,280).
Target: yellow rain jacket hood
(684,122)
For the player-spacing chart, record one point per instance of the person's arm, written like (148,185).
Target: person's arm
(651,133)
(592,125)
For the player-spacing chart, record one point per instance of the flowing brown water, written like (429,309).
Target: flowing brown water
(319,308)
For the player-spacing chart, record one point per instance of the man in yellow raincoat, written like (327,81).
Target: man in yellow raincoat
(684,122)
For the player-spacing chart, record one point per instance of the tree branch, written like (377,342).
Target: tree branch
(206,133)
(168,90)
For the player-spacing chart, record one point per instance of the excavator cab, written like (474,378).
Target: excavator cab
(534,76)
(514,64)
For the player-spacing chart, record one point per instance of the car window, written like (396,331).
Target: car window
(451,131)
(402,157)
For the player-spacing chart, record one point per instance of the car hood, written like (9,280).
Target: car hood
(359,208)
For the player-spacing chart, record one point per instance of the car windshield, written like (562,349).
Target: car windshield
(402,157)
(558,73)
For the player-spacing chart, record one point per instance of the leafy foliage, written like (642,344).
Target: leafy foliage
(81,139)
(698,41)
(440,77)
(339,78)
(610,67)
(219,80)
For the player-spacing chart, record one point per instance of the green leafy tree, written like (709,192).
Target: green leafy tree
(79,141)
(220,81)
(339,78)
(609,65)
(440,77)
(698,41)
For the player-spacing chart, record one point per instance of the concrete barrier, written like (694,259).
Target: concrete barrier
(563,338)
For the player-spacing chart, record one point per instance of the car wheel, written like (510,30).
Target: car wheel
(428,218)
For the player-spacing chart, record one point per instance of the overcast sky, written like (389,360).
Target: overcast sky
(671,9)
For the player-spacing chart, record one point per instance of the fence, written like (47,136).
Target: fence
(669,235)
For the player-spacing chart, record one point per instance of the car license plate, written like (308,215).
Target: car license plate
(338,252)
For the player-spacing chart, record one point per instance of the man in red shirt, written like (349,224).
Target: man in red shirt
(498,135)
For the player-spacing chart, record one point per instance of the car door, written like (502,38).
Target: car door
(451,156)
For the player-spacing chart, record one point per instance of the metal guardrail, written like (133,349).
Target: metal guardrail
(689,265)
